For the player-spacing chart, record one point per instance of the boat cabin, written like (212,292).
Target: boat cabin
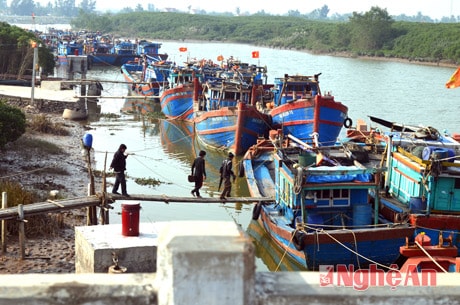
(291,88)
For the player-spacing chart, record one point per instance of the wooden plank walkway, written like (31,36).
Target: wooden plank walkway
(58,206)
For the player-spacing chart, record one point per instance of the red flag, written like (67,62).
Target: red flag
(255,54)
(220,58)
(183,49)
(454,80)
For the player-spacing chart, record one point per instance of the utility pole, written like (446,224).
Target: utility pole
(34,46)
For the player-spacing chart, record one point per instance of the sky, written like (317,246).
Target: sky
(436,9)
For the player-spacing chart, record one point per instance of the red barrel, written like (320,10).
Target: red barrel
(130,219)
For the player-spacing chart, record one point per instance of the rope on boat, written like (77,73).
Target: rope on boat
(285,251)
(351,250)
(430,257)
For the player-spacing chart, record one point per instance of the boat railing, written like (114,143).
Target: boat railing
(345,228)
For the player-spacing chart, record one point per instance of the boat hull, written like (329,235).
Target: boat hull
(303,117)
(338,246)
(110,59)
(136,85)
(231,128)
(177,102)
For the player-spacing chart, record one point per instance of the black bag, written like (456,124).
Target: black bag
(191,178)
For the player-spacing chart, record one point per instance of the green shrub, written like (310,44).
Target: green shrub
(12,123)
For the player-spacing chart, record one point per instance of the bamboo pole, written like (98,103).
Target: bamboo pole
(104,205)
(92,191)
(4,222)
(22,235)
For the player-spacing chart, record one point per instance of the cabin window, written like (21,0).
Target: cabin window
(457,183)
(338,197)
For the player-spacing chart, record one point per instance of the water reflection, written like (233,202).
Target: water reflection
(179,141)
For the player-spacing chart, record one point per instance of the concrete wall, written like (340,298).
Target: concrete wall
(212,263)
(42,105)
(95,247)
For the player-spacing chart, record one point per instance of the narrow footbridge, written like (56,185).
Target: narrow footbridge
(57,206)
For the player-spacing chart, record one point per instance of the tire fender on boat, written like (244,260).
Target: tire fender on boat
(256,211)
(347,123)
(297,240)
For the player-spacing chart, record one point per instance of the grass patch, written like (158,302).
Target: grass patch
(33,146)
(42,123)
(37,225)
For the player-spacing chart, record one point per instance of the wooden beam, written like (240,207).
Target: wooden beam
(58,206)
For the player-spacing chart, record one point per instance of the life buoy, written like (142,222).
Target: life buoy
(256,211)
(347,123)
(297,240)
(241,169)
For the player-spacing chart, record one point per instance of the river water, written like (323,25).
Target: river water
(400,92)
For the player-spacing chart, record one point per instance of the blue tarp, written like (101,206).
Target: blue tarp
(339,174)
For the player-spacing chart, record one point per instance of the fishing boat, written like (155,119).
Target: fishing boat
(152,49)
(321,213)
(104,53)
(422,183)
(183,86)
(227,116)
(145,78)
(67,48)
(179,100)
(299,108)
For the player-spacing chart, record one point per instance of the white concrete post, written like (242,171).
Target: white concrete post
(205,262)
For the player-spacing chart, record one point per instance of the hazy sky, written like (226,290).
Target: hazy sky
(436,9)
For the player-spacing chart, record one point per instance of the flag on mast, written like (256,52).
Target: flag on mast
(255,54)
(454,80)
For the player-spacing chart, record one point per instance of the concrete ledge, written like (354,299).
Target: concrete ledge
(271,288)
(100,289)
(213,263)
(300,288)
(94,246)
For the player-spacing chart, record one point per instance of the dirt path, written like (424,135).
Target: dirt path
(48,254)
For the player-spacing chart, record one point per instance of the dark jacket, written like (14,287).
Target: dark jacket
(227,169)
(119,161)
(199,167)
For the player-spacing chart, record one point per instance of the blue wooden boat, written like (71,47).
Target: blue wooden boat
(183,86)
(422,185)
(102,53)
(152,49)
(300,109)
(112,55)
(145,80)
(227,117)
(320,212)
(186,84)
